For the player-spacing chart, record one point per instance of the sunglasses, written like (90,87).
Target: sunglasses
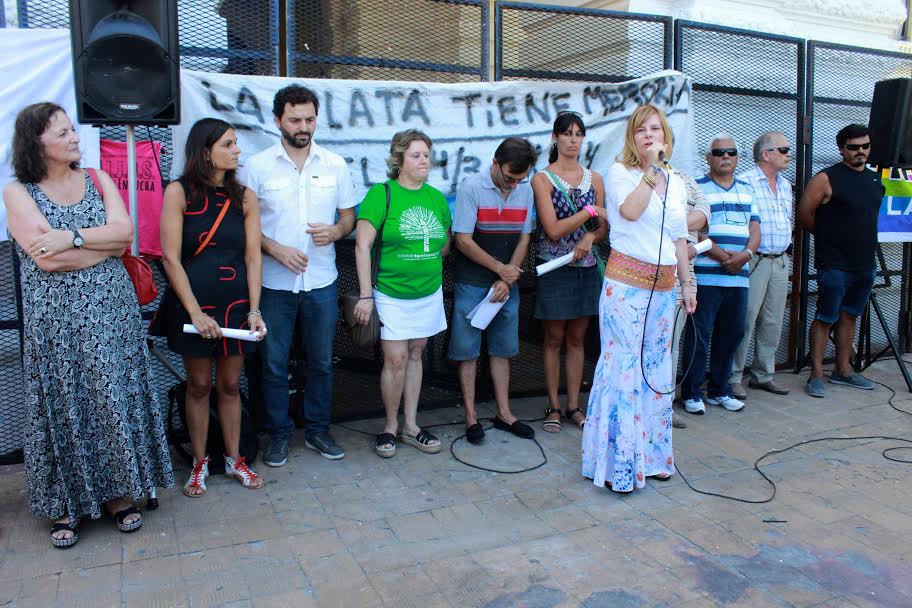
(781,150)
(719,152)
(856,147)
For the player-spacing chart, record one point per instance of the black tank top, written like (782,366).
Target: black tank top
(845,233)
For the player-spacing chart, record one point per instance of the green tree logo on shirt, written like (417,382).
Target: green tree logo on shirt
(420,223)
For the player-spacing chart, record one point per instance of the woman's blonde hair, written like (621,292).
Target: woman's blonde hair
(628,155)
(401,141)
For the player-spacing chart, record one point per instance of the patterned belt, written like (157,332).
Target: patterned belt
(637,273)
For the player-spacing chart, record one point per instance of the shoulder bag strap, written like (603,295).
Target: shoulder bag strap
(556,182)
(215,226)
(375,268)
(93,174)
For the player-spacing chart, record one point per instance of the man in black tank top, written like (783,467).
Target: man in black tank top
(840,206)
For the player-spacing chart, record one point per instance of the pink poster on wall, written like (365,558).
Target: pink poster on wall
(148,186)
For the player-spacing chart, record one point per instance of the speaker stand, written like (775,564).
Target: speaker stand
(132,197)
(892,344)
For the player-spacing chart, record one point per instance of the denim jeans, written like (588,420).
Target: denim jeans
(316,312)
(719,323)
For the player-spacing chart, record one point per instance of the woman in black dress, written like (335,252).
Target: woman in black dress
(210,232)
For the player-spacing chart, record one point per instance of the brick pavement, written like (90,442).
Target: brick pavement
(425,531)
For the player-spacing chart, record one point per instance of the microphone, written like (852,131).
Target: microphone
(662,159)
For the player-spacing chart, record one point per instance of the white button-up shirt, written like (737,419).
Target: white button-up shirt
(776,210)
(289,200)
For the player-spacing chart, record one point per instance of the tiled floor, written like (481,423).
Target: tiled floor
(425,531)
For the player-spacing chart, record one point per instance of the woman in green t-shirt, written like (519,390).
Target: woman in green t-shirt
(414,239)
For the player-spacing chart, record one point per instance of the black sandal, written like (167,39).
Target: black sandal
(552,426)
(571,413)
(385,445)
(64,543)
(424,441)
(121,515)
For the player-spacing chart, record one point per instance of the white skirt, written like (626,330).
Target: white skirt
(410,319)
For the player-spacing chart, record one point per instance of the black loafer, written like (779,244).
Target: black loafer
(519,429)
(475,433)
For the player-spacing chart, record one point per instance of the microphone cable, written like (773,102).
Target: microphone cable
(675,384)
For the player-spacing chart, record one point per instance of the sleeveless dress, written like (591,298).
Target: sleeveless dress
(572,291)
(95,429)
(218,276)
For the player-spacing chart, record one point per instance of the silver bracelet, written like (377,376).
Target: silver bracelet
(255,311)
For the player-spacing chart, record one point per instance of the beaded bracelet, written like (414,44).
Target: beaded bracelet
(649,182)
(255,311)
(365,297)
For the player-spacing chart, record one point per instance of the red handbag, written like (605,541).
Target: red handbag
(140,272)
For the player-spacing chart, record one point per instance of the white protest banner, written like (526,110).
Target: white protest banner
(38,65)
(466,121)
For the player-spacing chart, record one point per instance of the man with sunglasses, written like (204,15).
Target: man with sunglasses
(769,269)
(722,280)
(840,207)
(492,223)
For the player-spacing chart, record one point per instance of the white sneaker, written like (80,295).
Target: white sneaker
(726,401)
(694,406)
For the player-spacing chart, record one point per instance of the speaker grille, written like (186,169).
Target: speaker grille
(127,77)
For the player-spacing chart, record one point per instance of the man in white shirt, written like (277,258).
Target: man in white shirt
(769,269)
(302,187)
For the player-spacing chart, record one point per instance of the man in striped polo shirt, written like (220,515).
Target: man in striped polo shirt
(722,279)
(492,222)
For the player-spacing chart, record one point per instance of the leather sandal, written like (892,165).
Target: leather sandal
(64,543)
(120,516)
(552,426)
(385,445)
(571,413)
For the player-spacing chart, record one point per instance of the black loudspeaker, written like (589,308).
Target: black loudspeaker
(891,124)
(126,61)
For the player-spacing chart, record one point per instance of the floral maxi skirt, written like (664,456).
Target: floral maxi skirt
(628,424)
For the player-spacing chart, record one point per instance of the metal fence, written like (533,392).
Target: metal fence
(743,83)
(746,83)
(840,85)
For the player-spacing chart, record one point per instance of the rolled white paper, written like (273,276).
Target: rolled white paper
(235,334)
(554,264)
(703,246)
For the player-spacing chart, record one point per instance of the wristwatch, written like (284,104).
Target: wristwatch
(78,241)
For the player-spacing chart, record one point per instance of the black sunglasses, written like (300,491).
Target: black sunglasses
(855,147)
(780,149)
(718,152)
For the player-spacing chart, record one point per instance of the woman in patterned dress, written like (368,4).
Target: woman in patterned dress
(95,437)
(210,232)
(566,198)
(628,430)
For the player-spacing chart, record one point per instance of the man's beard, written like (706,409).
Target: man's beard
(293,141)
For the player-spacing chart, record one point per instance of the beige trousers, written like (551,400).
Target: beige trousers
(765,310)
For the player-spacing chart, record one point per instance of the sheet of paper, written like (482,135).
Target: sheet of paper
(554,264)
(485,311)
(235,334)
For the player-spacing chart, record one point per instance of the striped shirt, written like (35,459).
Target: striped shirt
(776,210)
(494,223)
(732,210)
